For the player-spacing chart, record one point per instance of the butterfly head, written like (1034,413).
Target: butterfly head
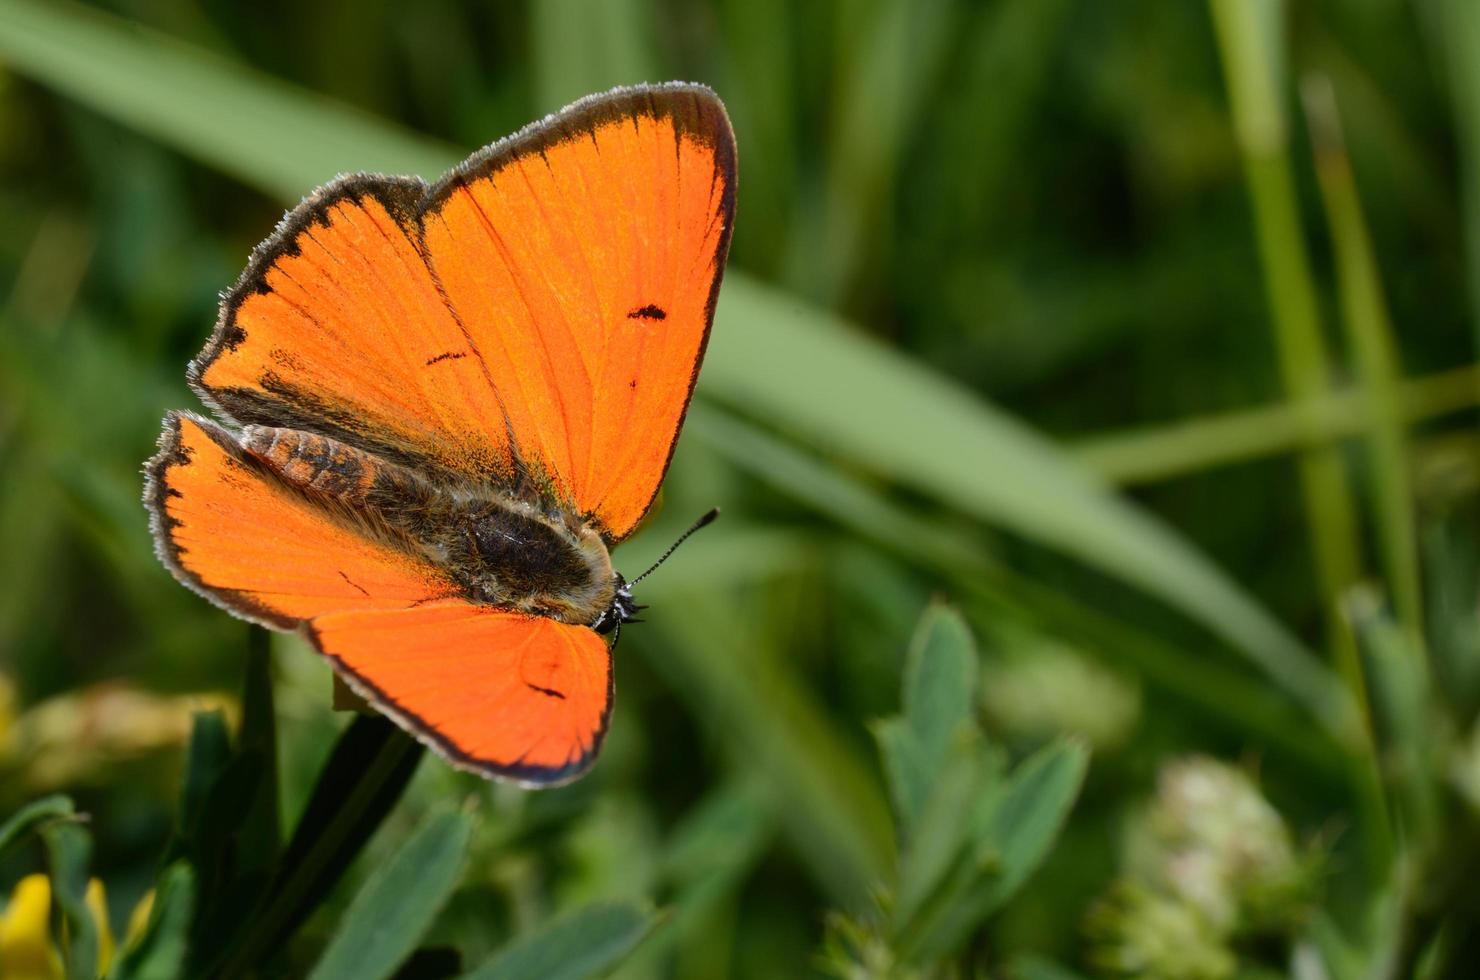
(624,608)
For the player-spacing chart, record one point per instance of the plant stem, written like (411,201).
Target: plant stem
(1195,445)
(1250,39)
(1370,333)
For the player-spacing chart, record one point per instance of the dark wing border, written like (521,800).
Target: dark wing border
(172,453)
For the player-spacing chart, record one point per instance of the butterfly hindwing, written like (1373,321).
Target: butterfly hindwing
(518,697)
(234,533)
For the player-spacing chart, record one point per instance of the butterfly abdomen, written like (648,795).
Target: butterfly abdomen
(315,462)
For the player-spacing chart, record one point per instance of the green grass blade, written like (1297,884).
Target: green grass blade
(1200,443)
(1231,696)
(586,944)
(221,113)
(399,901)
(1251,42)
(261,832)
(359,784)
(612,48)
(833,387)
(1455,26)
(886,79)
(1370,333)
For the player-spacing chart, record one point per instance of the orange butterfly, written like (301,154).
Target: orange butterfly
(449,403)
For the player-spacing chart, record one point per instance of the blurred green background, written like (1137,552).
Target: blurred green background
(1143,334)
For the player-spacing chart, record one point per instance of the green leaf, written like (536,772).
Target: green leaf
(69,849)
(587,943)
(215,798)
(1011,842)
(159,953)
(939,689)
(905,766)
(834,387)
(206,758)
(46,808)
(398,903)
(940,678)
(362,780)
(941,842)
(261,833)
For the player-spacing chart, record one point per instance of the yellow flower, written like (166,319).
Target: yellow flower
(27,951)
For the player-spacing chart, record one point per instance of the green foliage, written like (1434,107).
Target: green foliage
(39,811)
(398,903)
(970,833)
(992,262)
(68,850)
(159,952)
(587,943)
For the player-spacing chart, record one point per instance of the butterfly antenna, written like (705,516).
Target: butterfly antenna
(704,521)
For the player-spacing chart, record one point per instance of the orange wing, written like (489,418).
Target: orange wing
(551,296)
(584,256)
(249,543)
(518,697)
(337,327)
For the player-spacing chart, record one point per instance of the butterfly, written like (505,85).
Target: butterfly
(441,406)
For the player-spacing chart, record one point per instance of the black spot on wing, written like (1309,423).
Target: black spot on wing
(650,312)
(548,692)
(447,356)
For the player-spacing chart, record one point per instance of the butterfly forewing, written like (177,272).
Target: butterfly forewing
(584,261)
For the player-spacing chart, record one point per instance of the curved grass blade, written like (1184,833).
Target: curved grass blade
(224,114)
